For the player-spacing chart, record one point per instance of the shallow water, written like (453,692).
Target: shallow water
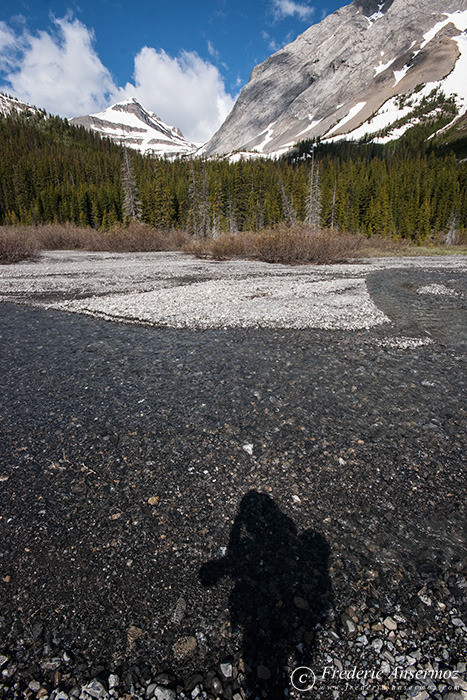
(441,317)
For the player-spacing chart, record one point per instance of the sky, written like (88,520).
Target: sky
(186,60)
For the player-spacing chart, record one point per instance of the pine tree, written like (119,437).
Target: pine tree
(313,200)
(131,201)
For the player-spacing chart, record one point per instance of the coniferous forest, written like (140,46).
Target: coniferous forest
(51,171)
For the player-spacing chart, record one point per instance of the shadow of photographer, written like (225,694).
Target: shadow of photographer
(281,591)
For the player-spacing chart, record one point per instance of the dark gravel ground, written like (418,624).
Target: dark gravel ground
(139,537)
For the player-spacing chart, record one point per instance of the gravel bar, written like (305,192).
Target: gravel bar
(195,504)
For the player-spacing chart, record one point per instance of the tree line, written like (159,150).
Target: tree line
(51,171)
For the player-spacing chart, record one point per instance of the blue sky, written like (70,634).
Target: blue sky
(184,60)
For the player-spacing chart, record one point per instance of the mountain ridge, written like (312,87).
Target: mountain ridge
(340,73)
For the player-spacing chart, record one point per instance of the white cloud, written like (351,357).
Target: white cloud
(60,71)
(185,91)
(289,8)
(8,44)
(213,52)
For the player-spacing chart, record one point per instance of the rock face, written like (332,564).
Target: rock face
(130,124)
(347,75)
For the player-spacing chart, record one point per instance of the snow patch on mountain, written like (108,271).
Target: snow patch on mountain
(12,104)
(459,20)
(351,114)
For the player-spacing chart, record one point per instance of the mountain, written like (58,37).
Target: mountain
(128,123)
(8,105)
(371,68)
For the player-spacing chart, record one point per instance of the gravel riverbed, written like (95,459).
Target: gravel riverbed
(256,469)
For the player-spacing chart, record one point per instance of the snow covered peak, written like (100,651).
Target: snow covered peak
(129,123)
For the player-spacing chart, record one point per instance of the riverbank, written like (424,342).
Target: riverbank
(164,490)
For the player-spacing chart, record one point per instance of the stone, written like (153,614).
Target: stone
(162,693)
(377,645)
(113,681)
(133,634)
(154,500)
(390,624)
(226,669)
(348,624)
(95,689)
(301,603)
(185,646)
(263,673)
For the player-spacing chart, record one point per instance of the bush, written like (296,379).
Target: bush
(17,243)
(21,242)
(283,244)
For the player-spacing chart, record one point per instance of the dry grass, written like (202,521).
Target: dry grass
(23,242)
(288,245)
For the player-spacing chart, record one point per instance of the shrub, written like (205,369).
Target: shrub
(17,243)
(282,244)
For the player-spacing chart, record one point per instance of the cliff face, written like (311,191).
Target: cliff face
(351,68)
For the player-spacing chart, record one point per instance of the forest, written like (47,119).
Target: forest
(51,171)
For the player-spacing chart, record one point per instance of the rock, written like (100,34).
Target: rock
(385,668)
(226,669)
(348,624)
(3,660)
(179,611)
(185,646)
(421,695)
(301,603)
(454,695)
(154,500)
(162,693)
(216,685)
(150,690)
(263,673)
(34,686)
(95,689)
(248,449)
(133,634)
(113,681)
(377,645)
(457,622)
(390,624)
(426,599)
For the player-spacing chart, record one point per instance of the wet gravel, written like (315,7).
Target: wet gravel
(193,514)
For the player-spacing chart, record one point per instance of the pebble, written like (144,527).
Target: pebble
(95,689)
(184,646)
(263,673)
(226,669)
(162,693)
(390,624)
